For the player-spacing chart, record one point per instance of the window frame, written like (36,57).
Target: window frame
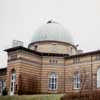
(52,81)
(98,80)
(76,81)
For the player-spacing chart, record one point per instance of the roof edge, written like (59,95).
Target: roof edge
(35,52)
(84,54)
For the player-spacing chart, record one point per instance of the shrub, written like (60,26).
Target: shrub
(4,92)
(86,95)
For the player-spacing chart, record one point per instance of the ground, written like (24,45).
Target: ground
(33,97)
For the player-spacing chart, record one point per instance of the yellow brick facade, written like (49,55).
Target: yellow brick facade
(54,47)
(34,68)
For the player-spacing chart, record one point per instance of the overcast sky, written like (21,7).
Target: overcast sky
(20,18)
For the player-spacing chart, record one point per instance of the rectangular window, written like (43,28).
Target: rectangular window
(77,81)
(52,82)
(53,61)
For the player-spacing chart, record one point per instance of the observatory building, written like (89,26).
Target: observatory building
(50,64)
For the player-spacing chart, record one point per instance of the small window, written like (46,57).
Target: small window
(76,60)
(35,47)
(53,61)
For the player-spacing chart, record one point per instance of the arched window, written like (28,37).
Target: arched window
(98,78)
(52,81)
(77,81)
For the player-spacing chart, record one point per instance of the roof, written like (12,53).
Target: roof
(52,31)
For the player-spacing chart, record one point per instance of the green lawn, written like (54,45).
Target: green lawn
(33,97)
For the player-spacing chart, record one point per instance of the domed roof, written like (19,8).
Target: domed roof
(52,31)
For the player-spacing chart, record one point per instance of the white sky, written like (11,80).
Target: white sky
(20,18)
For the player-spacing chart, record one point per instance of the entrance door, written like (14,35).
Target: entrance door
(12,86)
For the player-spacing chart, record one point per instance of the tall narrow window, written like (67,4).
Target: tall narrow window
(98,78)
(52,81)
(76,81)
(13,81)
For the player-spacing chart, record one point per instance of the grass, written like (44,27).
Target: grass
(33,97)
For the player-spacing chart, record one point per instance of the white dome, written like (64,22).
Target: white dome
(52,31)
